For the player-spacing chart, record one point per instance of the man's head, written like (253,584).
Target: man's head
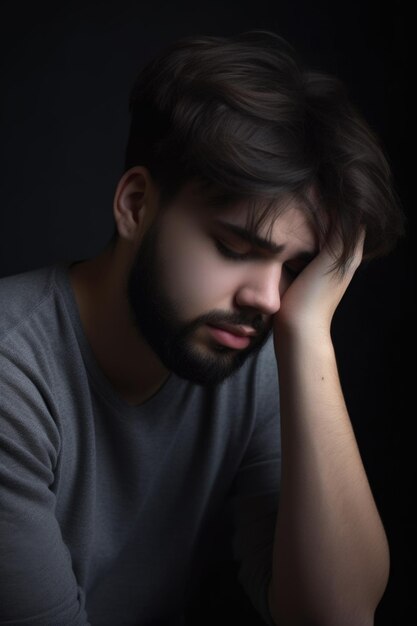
(236,128)
(185,279)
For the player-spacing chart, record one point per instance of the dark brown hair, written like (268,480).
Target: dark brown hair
(242,116)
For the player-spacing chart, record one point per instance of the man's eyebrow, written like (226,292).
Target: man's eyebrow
(259,242)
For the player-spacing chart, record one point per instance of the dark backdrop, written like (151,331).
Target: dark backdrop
(66,70)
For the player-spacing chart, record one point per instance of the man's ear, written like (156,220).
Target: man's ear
(135,203)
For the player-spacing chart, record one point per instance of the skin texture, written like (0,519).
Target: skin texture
(144,306)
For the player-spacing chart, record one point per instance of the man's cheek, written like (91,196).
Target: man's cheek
(195,283)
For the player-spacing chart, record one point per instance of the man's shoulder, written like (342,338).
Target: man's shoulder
(32,338)
(21,294)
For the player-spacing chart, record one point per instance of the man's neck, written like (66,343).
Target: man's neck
(99,286)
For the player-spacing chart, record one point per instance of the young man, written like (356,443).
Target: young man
(186,375)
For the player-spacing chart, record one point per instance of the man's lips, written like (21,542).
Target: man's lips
(241,331)
(236,337)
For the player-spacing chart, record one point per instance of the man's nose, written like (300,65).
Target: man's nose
(260,290)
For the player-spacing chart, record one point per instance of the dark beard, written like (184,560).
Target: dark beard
(156,319)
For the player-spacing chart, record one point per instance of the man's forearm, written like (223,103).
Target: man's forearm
(330,558)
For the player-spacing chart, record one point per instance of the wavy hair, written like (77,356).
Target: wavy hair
(244,118)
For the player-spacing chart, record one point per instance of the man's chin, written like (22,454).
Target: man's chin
(206,365)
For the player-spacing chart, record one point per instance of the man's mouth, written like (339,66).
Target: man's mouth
(235,339)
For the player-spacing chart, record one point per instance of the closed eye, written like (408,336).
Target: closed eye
(230,254)
(236,256)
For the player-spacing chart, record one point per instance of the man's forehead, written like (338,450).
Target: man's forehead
(218,204)
(203,195)
(211,200)
(289,224)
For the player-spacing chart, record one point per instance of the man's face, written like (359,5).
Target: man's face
(180,281)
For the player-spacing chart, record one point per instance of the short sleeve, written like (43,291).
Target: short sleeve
(37,583)
(255,492)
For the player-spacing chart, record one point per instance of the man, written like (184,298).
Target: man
(140,398)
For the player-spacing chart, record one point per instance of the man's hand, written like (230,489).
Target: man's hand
(311,300)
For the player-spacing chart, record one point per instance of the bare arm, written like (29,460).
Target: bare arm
(330,557)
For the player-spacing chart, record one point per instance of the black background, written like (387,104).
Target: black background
(66,70)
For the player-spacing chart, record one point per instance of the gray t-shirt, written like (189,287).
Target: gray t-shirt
(110,512)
